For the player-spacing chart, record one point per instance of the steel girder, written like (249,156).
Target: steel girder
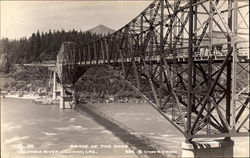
(188,59)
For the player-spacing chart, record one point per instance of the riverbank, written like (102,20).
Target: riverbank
(32,97)
(35,98)
(110,99)
(95,100)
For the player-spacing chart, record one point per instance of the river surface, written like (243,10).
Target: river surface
(100,130)
(130,130)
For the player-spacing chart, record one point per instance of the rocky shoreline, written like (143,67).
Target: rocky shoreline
(111,100)
(47,99)
(35,98)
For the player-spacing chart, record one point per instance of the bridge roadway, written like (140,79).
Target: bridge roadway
(156,59)
(217,56)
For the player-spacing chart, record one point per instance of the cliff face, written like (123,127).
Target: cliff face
(101,29)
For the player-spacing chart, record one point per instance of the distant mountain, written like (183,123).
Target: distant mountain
(101,29)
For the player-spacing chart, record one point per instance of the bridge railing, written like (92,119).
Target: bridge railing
(77,55)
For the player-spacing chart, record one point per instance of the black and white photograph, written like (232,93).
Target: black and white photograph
(124,79)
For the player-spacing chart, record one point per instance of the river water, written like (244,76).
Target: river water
(110,130)
(100,130)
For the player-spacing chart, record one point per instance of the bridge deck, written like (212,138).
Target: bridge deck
(157,59)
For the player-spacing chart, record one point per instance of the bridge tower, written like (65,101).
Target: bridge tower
(63,81)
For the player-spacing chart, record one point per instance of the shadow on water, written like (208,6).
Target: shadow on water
(135,141)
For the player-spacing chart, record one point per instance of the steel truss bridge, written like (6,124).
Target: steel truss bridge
(188,59)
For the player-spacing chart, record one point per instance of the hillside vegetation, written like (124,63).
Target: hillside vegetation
(41,47)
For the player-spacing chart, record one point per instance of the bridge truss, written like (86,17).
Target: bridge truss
(188,59)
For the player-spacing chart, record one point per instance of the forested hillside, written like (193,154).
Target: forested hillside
(96,84)
(41,46)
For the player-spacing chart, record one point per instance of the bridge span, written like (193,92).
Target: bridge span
(188,59)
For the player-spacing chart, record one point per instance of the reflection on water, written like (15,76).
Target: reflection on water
(26,125)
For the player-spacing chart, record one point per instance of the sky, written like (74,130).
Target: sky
(22,18)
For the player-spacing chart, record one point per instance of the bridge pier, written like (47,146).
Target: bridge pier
(67,97)
(55,86)
(61,103)
(208,149)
